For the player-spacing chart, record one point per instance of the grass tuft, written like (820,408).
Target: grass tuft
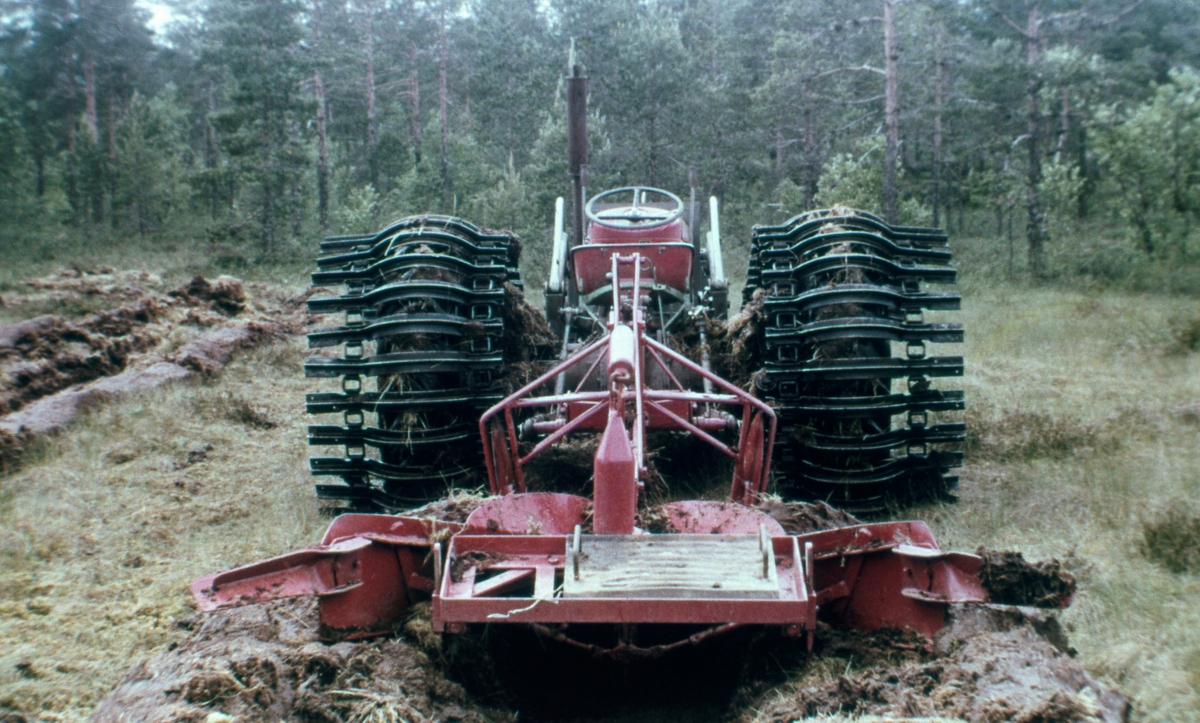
(231,407)
(1171,538)
(1185,334)
(1010,435)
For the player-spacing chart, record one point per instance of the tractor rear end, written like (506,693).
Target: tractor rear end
(432,305)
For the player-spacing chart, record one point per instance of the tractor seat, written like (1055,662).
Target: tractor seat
(673,232)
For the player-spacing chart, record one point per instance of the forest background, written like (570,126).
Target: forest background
(1065,133)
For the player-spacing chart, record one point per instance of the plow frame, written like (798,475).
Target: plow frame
(627,348)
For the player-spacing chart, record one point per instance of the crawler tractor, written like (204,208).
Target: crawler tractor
(432,304)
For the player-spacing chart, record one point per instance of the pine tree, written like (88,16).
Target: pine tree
(258,44)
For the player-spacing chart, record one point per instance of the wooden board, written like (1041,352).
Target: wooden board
(671,566)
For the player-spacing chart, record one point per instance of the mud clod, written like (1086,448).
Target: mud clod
(456,507)
(736,348)
(226,293)
(990,665)
(798,518)
(11,445)
(265,663)
(1010,580)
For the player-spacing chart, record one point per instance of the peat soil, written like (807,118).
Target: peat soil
(136,334)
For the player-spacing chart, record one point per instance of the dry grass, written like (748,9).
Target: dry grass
(101,534)
(1079,410)
(1186,335)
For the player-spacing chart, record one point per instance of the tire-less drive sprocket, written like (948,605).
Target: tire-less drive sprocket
(422,355)
(839,290)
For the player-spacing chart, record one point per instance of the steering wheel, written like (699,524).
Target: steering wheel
(634,215)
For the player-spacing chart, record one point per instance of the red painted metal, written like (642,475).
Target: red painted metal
(371,567)
(667,254)
(363,572)
(532,513)
(626,348)
(668,264)
(671,232)
(616,484)
(458,603)
(748,470)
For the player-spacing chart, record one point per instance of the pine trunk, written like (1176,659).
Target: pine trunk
(210,153)
(414,97)
(89,95)
(268,181)
(1033,227)
(113,167)
(322,158)
(812,157)
(443,118)
(368,42)
(1064,123)
(891,212)
(72,157)
(938,79)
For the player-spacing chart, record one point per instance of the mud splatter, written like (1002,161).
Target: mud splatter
(1011,580)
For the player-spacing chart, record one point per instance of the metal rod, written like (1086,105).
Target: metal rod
(561,381)
(577,549)
(693,429)
(564,431)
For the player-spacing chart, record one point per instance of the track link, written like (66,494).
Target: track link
(838,288)
(421,358)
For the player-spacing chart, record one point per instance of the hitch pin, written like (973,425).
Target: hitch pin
(764,546)
(437,568)
(576,550)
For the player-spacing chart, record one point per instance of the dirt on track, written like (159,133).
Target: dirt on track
(265,663)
